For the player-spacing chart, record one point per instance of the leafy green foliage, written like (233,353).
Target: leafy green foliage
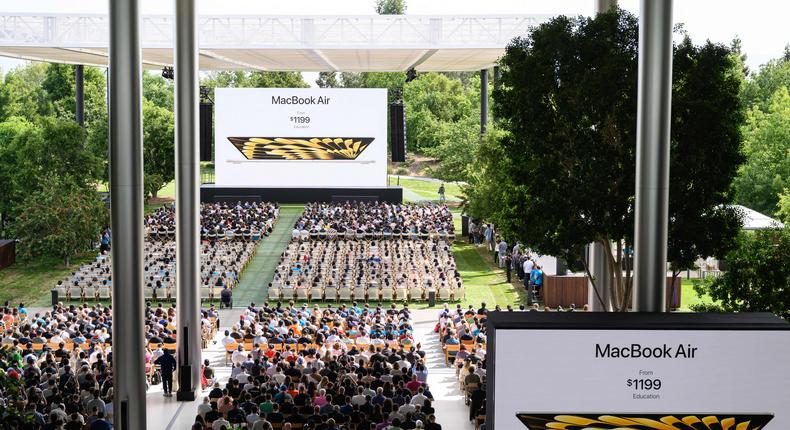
(256,79)
(763,85)
(758,275)
(158,147)
(567,155)
(484,191)
(60,219)
(784,206)
(158,90)
(707,114)
(327,80)
(766,173)
(432,101)
(390,7)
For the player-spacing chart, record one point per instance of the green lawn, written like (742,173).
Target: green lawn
(689,297)
(483,282)
(30,282)
(429,190)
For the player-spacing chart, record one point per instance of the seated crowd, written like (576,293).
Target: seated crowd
(463,337)
(58,364)
(61,363)
(244,220)
(223,259)
(373,220)
(221,265)
(366,270)
(302,368)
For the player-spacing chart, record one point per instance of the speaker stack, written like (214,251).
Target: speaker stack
(398,132)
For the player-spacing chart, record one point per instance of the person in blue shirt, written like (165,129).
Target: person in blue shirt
(537,278)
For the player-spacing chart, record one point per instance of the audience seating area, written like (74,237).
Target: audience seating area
(369,252)
(463,337)
(366,270)
(61,361)
(244,220)
(374,220)
(224,255)
(299,367)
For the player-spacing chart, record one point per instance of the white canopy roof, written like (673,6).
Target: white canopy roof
(279,43)
(753,220)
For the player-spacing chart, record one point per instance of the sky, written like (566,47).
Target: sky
(762,25)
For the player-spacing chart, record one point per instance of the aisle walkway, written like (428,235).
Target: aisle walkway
(258,274)
(451,412)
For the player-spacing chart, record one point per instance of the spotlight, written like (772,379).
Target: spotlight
(167,72)
(411,75)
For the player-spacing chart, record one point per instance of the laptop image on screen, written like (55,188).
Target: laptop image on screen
(651,421)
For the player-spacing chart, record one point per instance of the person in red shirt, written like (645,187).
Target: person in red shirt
(414,384)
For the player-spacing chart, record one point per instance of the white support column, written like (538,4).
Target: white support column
(187,200)
(652,155)
(126,193)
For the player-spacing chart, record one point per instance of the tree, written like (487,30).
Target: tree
(158,90)
(431,100)
(707,84)
(766,172)
(763,85)
(60,151)
(158,147)
(22,93)
(15,132)
(327,80)
(784,206)
(257,79)
(758,274)
(390,7)
(456,150)
(60,219)
(567,157)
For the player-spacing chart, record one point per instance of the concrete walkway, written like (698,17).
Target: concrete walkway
(451,412)
(253,286)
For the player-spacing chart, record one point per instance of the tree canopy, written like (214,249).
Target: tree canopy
(766,173)
(757,278)
(59,219)
(390,7)
(566,156)
(158,147)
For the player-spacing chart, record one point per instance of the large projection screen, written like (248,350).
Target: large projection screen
(670,373)
(300,137)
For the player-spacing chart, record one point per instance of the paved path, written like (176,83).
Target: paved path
(253,286)
(451,412)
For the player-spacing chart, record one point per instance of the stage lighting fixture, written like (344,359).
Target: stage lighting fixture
(411,75)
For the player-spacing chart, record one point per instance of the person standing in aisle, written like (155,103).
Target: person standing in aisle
(167,365)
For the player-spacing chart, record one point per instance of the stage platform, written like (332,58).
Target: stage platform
(214,193)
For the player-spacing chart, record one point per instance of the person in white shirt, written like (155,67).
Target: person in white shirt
(528,265)
(220,423)
(419,399)
(359,399)
(204,407)
(239,355)
(228,339)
